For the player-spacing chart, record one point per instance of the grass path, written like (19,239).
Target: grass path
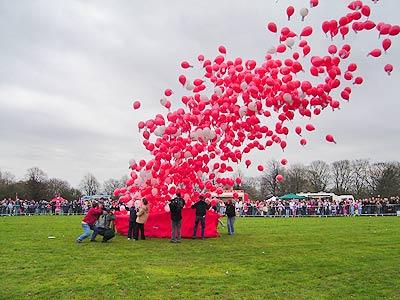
(309,258)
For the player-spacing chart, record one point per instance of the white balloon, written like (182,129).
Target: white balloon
(252,106)
(303,13)
(271,50)
(218,91)
(204,98)
(288,98)
(163,101)
(290,42)
(242,111)
(189,86)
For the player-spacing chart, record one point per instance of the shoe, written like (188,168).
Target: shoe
(173,241)
(129,239)
(104,241)
(203,238)
(78,241)
(193,237)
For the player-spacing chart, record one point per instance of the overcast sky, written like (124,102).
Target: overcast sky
(69,71)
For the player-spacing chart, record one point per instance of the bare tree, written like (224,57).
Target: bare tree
(269,185)
(384,179)
(318,176)
(89,185)
(360,172)
(110,185)
(295,179)
(35,184)
(341,176)
(6,178)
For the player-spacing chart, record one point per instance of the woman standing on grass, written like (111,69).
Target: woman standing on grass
(141,219)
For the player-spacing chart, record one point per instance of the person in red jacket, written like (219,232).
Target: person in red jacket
(89,220)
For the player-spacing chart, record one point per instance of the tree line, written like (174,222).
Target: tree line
(37,186)
(361,178)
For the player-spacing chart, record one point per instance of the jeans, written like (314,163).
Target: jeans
(200,219)
(132,229)
(86,233)
(231,221)
(95,232)
(176,230)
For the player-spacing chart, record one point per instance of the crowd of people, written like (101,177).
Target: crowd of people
(317,207)
(47,207)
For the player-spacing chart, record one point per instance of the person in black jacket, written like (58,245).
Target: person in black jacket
(132,221)
(230,214)
(201,208)
(175,207)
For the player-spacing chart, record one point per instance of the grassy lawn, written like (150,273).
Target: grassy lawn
(305,258)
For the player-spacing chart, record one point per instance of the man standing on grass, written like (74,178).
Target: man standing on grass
(132,221)
(88,222)
(201,208)
(230,214)
(175,207)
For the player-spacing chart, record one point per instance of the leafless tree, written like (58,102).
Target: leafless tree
(295,179)
(269,185)
(341,176)
(89,185)
(360,172)
(318,176)
(110,185)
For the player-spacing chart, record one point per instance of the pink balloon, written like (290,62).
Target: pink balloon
(279,178)
(185,65)
(307,31)
(386,43)
(272,27)
(290,12)
(389,69)
(136,105)
(330,138)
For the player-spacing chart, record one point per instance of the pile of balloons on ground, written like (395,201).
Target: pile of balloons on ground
(224,117)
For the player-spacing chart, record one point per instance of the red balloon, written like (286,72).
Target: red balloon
(389,69)
(248,163)
(222,49)
(298,130)
(307,31)
(272,27)
(182,79)
(330,138)
(284,161)
(136,105)
(279,178)
(310,127)
(386,43)
(168,92)
(290,11)
(260,168)
(185,65)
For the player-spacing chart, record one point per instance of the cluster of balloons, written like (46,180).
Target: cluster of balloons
(194,148)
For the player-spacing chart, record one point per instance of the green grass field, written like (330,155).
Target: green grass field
(316,258)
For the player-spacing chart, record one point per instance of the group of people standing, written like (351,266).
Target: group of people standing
(177,204)
(138,215)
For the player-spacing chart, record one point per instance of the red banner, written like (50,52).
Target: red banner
(159,224)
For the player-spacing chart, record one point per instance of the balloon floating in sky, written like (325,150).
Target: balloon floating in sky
(236,106)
